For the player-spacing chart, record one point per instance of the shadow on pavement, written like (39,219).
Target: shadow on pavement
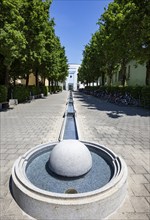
(113,111)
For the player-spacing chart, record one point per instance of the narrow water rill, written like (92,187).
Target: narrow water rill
(69,179)
(70,129)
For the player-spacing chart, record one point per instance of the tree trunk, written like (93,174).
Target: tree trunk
(7,76)
(57,85)
(36,77)
(14,81)
(27,80)
(52,81)
(97,82)
(147,80)
(110,76)
(103,79)
(123,72)
(49,84)
(44,81)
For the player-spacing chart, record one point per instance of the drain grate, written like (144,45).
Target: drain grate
(71,191)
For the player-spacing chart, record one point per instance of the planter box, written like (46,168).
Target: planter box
(4,105)
(13,102)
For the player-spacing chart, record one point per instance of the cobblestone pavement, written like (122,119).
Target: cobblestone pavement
(22,128)
(125,130)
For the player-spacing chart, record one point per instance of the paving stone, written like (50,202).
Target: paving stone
(147,185)
(130,192)
(139,190)
(129,216)
(4,204)
(140,204)
(137,216)
(14,208)
(148,199)
(129,162)
(3,191)
(3,179)
(126,206)
(15,217)
(139,178)
(147,176)
(139,169)
(130,170)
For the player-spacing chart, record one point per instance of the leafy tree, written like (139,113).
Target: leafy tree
(119,45)
(63,65)
(137,31)
(127,23)
(43,48)
(84,70)
(2,70)
(98,58)
(123,35)
(28,42)
(48,54)
(35,14)
(12,39)
(59,66)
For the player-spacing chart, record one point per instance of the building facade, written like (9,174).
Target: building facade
(71,82)
(135,75)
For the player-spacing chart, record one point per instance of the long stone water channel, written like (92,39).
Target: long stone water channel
(69,127)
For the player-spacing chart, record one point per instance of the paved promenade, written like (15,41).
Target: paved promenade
(125,130)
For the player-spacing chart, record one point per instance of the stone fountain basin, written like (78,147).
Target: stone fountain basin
(94,204)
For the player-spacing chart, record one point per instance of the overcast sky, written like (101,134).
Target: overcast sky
(75,23)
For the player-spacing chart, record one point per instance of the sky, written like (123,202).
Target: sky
(75,22)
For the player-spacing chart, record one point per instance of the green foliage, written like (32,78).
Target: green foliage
(54,89)
(137,92)
(123,35)
(12,39)
(34,90)
(28,42)
(3,93)
(37,90)
(50,89)
(44,90)
(145,96)
(21,93)
(60,88)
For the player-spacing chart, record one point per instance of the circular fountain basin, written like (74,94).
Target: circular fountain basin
(43,194)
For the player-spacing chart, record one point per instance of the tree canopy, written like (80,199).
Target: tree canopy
(28,42)
(123,35)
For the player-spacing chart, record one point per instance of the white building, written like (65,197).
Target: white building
(71,81)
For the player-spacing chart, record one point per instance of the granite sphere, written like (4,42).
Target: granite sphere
(70,158)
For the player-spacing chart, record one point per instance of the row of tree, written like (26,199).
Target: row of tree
(123,35)
(28,42)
